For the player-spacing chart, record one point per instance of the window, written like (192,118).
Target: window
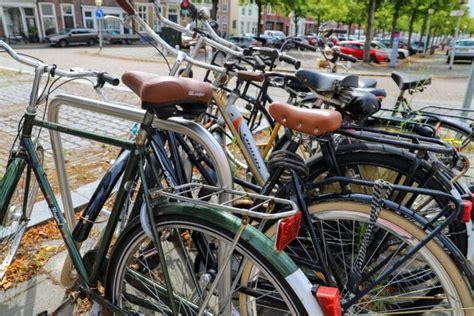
(242,11)
(242,25)
(88,20)
(67,11)
(48,17)
(30,21)
(143,13)
(248,27)
(173,14)
(250,11)
(225,5)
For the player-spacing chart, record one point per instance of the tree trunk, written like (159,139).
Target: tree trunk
(423,27)
(370,31)
(215,6)
(410,28)
(396,14)
(259,19)
(319,22)
(349,29)
(359,26)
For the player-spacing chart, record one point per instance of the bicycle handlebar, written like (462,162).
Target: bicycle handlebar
(290,60)
(347,57)
(52,69)
(306,46)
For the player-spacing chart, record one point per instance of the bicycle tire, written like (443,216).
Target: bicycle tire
(448,130)
(440,270)
(218,227)
(364,161)
(14,225)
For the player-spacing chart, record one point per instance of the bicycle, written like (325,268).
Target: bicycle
(127,284)
(408,175)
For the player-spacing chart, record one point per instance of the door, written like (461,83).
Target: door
(13,21)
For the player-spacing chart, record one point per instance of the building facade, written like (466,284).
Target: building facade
(33,20)
(244,18)
(273,20)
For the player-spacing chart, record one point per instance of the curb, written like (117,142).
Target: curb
(80,198)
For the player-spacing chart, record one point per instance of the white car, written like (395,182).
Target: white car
(274,35)
(463,50)
(402,53)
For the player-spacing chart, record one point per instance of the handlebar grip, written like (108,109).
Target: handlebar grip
(126,6)
(306,46)
(268,52)
(109,79)
(347,57)
(259,63)
(290,60)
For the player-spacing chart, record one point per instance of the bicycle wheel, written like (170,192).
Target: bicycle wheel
(428,282)
(368,162)
(135,279)
(18,214)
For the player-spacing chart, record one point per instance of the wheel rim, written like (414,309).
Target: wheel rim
(426,287)
(241,301)
(14,225)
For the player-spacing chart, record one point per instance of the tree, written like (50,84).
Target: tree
(397,6)
(299,8)
(370,29)
(261,4)
(215,6)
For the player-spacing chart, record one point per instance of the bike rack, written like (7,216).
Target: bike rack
(178,125)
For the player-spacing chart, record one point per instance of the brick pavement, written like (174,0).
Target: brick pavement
(14,95)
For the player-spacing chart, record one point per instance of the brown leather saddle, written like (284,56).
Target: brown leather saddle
(167,96)
(314,122)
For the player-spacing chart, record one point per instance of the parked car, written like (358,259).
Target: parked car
(356,49)
(274,35)
(74,37)
(312,40)
(401,45)
(418,46)
(243,41)
(402,53)
(463,50)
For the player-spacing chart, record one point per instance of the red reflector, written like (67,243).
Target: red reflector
(466,217)
(184,5)
(472,197)
(288,230)
(329,298)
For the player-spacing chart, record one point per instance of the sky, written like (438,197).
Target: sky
(471,7)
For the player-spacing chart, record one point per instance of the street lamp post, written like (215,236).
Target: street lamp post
(459,14)
(98,3)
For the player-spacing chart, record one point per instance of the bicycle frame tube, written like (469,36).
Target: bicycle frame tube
(239,129)
(9,182)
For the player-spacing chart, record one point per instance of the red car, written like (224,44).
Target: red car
(356,49)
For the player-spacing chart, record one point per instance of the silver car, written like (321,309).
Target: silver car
(463,50)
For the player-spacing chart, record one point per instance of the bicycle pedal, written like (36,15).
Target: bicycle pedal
(67,306)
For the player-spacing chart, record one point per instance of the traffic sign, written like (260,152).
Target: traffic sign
(457,13)
(99,13)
